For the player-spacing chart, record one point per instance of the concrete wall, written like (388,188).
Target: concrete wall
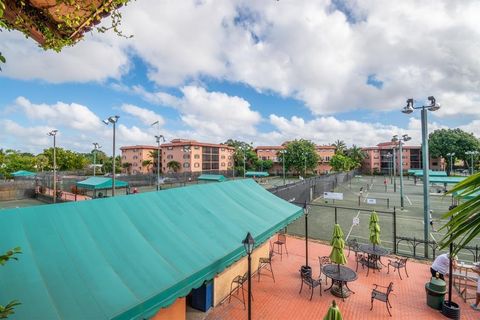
(223,280)
(177,311)
(17,190)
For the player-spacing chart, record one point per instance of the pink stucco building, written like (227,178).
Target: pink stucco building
(194,156)
(135,157)
(377,161)
(325,153)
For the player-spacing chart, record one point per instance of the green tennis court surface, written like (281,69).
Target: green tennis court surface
(20,203)
(409,221)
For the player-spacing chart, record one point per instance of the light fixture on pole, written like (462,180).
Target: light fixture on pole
(158,138)
(400,141)
(472,154)
(283,153)
(450,155)
(248,244)
(53,134)
(409,108)
(113,120)
(96,146)
(306,268)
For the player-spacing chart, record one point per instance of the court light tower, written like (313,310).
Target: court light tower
(394,151)
(389,167)
(450,155)
(96,146)
(401,140)
(472,154)
(53,134)
(158,138)
(409,108)
(113,120)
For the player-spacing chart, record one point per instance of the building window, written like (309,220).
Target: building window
(170,156)
(223,149)
(223,157)
(170,148)
(197,156)
(229,157)
(196,147)
(196,165)
(186,156)
(223,164)
(210,156)
(229,164)
(186,165)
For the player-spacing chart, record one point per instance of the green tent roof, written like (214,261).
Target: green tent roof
(256,174)
(23,173)
(458,194)
(449,180)
(431,173)
(127,256)
(100,183)
(212,177)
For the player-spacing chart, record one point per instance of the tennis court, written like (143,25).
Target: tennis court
(375,195)
(28,202)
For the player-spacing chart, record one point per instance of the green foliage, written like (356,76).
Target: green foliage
(173,165)
(444,141)
(340,162)
(264,165)
(107,164)
(340,146)
(300,156)
(356,154)
(464,225)
(14,160)
(2,25)
(9,308)
(66,159)
(243,149)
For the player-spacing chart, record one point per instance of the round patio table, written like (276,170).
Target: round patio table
(373,255)
(340,276)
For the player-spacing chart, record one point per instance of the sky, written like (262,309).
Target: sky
(258,71)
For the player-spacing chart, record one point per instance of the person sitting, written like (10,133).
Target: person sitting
(441,265)
(475,305)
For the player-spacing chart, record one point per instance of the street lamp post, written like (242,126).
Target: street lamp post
(394,169)
(113,120)
(472,154)
(158,158)
(450,155)
(401,140)
(283,152)
(53,134)
(248,244)
(96,146)
(409,108)
(306,268)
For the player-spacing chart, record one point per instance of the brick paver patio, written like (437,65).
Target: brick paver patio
(281,300)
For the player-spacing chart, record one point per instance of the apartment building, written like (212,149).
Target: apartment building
(377,158)
(135,156)
(325,153)
(194,156)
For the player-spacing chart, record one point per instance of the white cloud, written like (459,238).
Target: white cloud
(17,137)
(72,115)
(211,114)
(146,116)
(94,59)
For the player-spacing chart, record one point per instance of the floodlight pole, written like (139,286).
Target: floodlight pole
(113,120)
(400,149)
(409,108)
(53,133)
(96,146)
(283,158)
(394,169)
(158,159)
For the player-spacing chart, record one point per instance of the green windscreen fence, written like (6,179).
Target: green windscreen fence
(212,177)
(126,257)
(256,174)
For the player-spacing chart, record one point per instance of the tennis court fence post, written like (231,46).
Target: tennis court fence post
(388,203)
(335,215)
(394,230)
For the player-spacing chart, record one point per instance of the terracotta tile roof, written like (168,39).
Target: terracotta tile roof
(138,147)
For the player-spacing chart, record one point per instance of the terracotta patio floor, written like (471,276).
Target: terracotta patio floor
(281,300)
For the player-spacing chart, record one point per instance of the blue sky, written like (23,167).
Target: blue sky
(264,72)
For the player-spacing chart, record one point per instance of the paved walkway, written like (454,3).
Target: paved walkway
(281,300)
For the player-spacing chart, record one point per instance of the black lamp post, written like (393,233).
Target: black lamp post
(306,268)
(248,244)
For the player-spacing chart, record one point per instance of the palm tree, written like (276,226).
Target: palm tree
(340,146)
(173,165)
(127,166)
(147,163)
(357,154)
(464,225)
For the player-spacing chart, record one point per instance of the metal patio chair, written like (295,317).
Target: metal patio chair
(280,242)
(398,264)
(236,285)
(382,295)
(266,263)
(310,282)
(323,261)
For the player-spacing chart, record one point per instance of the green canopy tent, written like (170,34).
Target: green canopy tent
(256,174)
(125,257)
(374,228)
(212,177)
(100,183)
(338,244)
(23,174)
(430,173)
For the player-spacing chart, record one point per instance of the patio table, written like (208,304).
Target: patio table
(373,255)
(340,276)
